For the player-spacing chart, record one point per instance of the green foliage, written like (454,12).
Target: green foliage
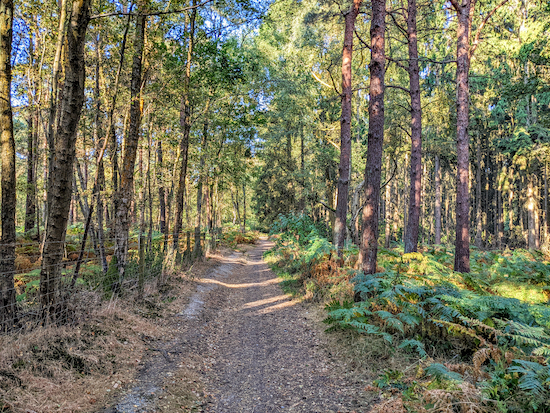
(418,300)
(440,372)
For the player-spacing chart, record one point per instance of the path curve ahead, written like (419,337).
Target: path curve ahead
(264,351)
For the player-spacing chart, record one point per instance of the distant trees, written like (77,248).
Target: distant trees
(453,100)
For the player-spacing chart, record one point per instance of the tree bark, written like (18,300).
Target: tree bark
(160,183)
(437,209)
(413,223)
(30,204)
(197,250)
(369,243)
(61,178)
(7,147)
(185,124)
(125,194)
(344,170)
(531,214)
(479,220)
(462,243)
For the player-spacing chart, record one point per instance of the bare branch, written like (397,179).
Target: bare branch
(399,87)
(483,23)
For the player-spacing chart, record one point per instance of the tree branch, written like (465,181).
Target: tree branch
(483,23)
(155,13)
(400,88)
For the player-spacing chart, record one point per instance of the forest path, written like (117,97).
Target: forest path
(241,345)
(266,353)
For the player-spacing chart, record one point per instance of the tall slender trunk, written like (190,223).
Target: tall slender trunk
(437,209)
(344,170)
(185,124)
(30,204)
(369,243)
(546,216)
(531,213)
(100,186)
(61,178)
(7,148)
(413,223)
(197,252)
(125,194)
(54,93)
(462,243)
(387,209)
(244,208)
(479,220)
(160,183)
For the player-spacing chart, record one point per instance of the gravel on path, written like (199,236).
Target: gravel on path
(267,354)
(243,346)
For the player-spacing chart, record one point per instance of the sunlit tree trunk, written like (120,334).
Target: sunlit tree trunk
(462,243)
(413,223)
(125,194)
(373,170)
(30,204)
(437,209)
(61,177)
(197,251)
(7,148)
(479,221)
(344,170)
(185,124)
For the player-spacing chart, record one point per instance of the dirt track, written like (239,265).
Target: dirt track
(252,348)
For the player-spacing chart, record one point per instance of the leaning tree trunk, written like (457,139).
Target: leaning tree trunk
(413,223)
(373,170)
(125,194)
(7,147)
(344,169)
(462,243)
(61,179)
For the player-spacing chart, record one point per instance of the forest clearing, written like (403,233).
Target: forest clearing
(274,205)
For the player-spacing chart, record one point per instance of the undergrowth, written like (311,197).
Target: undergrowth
(489,330)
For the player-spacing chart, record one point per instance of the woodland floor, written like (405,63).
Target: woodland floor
(242,345)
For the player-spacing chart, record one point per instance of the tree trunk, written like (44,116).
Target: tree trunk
(185,124)
(437,209)
(545,214)
(369,243)
(479,221)
(388,208)
(531,214)
(197,251)
(30,204)
(100,185)
(462,244)
(7,147)
(244,207)
(125,194)
(160,183)
(344,170)
(61,178)
(413,223)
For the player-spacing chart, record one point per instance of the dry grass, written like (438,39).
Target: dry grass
(82,367)
(68,369)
